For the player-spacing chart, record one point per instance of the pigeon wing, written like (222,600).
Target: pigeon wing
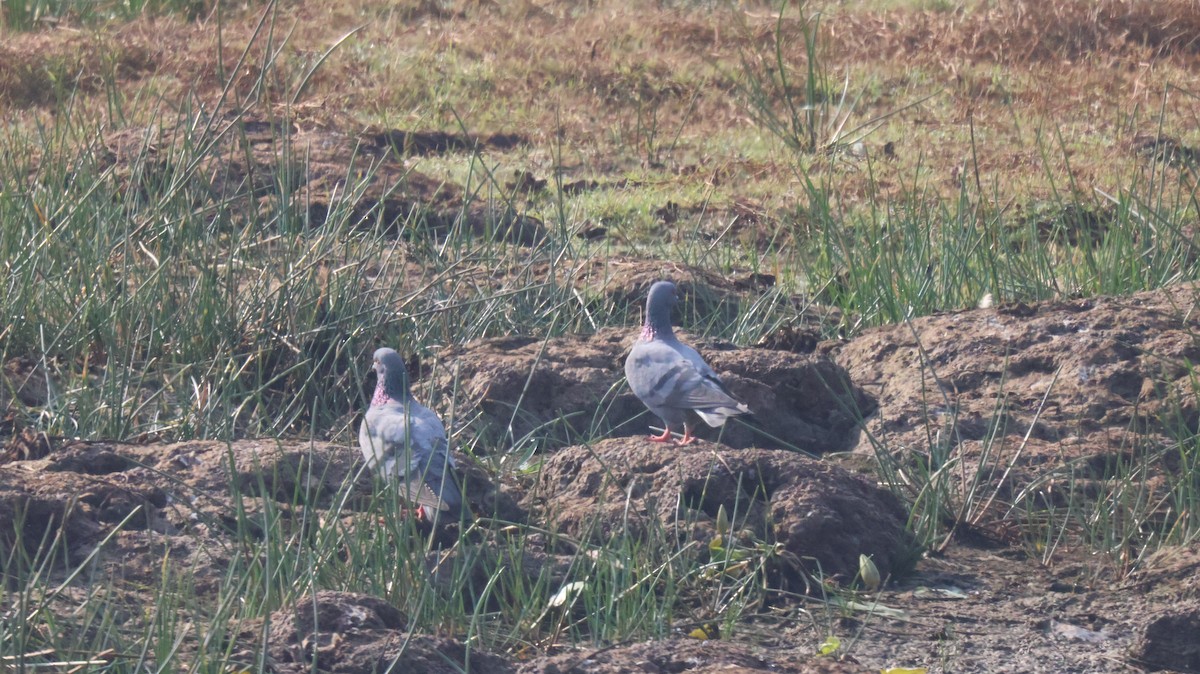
(408,444)
(430,478)
(662,376)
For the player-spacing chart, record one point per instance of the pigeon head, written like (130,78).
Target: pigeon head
(658,310)
(392,383)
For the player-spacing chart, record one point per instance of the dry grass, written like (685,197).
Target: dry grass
(1022,33)
(648,93)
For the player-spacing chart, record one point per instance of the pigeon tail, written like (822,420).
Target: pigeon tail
(716,416)
(426,494)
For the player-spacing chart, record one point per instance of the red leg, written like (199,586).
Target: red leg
(687,438)
(665,437)
(422,516)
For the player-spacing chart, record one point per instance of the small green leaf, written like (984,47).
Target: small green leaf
(830,645)
(868,572)
(722,520)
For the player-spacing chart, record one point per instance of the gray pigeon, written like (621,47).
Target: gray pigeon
(670,377)
(403,440)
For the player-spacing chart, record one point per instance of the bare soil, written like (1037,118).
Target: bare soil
(1022,391)
(985,602)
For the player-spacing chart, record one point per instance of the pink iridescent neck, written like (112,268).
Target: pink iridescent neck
(647,332)
(381,396)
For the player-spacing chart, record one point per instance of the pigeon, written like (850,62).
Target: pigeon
(670,377)
(403,440)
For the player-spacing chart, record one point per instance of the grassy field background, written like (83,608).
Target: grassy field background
(881,161)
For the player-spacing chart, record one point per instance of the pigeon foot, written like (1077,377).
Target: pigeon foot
(665,437)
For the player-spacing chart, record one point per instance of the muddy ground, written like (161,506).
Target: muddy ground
(1084,383)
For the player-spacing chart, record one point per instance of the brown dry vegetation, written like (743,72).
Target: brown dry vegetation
(1006,80)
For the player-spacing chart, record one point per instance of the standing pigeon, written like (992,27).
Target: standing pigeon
(403,440)
(670,377)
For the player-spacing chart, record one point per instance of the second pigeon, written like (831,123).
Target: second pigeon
(403,440)
(670,377)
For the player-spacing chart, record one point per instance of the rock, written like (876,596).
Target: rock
(822,516)
(1170,641)
(572,387)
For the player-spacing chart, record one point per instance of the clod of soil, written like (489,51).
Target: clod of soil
(349,633)
(1170,641)
(571,387)
(36,519)
(21,379)
(823,517)
(676,656)
(40,507)
(1172,572)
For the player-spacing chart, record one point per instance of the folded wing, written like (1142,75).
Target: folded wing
(666,377)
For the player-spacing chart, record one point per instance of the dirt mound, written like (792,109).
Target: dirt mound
(1172,572)
(565,388)
(351,633)
(1020,391)
(684,655)
(1169,641)
(823,516)
(37,514)
(1095,380)
(182,496)
(240,158)
(301,473)
(73,498)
